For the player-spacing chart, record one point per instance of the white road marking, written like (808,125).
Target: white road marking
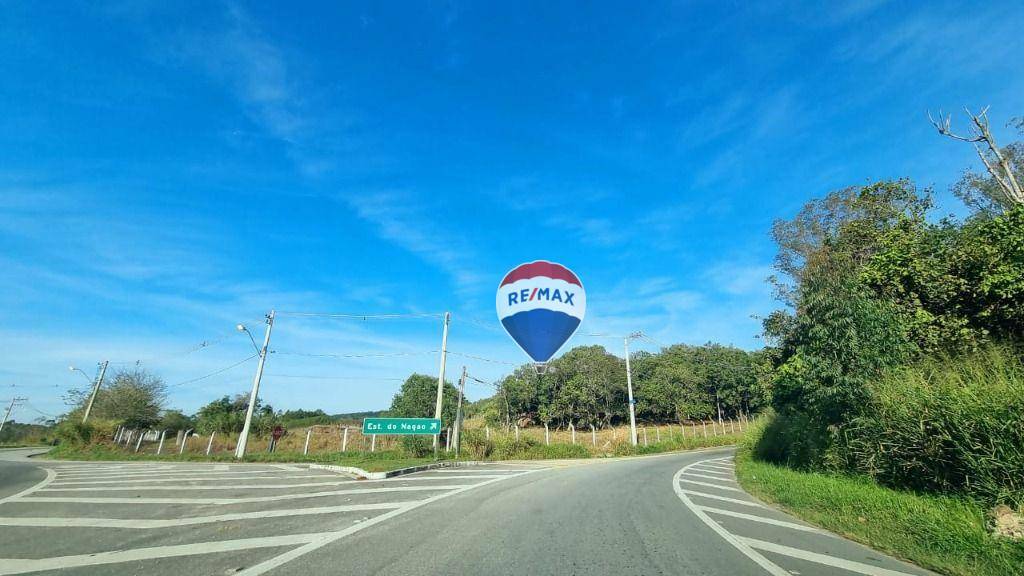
(180,480)
(706,470)
(817,558)
(311,542)
(763,520)
(330,537)
(50,475)
(225,501)
(132,488)
(463,470)
(719,478)
(709,485)
(722,498)
(743,547)
(165,474)
(192,520)
(21,566)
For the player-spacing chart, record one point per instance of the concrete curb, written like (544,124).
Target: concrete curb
(363,474)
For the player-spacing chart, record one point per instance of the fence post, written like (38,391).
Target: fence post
(160,448)
(487,432)
(573,430)
(184,441)
(732,426)
(344,439)
(593,434)
(373,443)
(657,434)
(139,443)
(645,435)
(209,444)
(517,432)
(704,425)
(547,440)
(714,427)
(305,449)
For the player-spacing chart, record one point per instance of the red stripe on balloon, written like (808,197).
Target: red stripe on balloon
(541,268)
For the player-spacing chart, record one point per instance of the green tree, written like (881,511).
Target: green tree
(134,397)
(418,399)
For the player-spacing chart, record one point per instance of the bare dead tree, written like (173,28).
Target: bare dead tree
(998,165)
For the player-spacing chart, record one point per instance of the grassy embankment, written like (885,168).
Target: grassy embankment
(947,534)
(475,446)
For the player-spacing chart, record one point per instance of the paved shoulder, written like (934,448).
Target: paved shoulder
(777,543)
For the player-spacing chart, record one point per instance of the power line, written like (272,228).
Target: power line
(482,359)
(363,316)
(335,377)
(343,356)
(221,371)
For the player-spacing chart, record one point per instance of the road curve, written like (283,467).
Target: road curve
(618,517)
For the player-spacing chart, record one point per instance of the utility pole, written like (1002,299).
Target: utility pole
(95,390)
(244,438)
(629,388)
(458,413)
(14,401)
(440,375)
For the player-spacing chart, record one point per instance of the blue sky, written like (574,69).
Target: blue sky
(169,171)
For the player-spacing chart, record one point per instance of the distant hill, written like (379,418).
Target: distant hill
(357,415)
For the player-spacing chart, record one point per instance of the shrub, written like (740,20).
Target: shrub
(79,433)
(475,445)
(417,446)
(947,425)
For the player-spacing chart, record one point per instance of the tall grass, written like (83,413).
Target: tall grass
(946,425)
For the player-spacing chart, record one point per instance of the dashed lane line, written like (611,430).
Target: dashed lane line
(149,474)
(130,488)
(226,501)
(709,485)
(763,520)
(146,523)
(825,559)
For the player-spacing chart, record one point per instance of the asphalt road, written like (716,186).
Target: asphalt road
(671,514)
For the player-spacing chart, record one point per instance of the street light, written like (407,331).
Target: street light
(242,328)
(80,371)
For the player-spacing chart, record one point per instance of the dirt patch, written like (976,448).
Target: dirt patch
(1007,523)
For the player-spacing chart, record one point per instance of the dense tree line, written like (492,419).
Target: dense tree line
(587,385)
(899,352)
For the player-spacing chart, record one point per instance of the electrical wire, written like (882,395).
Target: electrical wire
(220,371)
(343,356)
(362,316)
(481,358)
(334,377)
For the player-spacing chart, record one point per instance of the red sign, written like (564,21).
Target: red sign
(277,433)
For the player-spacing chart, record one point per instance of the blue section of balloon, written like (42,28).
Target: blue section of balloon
(540,332)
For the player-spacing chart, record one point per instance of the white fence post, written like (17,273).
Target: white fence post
(487,432)
(209,444)
(657,434)
(305,449)
(573,430)
(373,443)
(138,444)
(517,432)
(184,441)
(645,435)
(547,440)
(344,439)
(160,448)
(593,434)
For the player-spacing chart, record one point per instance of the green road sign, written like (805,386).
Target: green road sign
(401,425)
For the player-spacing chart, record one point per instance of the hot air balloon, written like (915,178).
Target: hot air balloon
(541,304)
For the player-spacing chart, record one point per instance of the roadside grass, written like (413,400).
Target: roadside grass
(945,534)
(475,447)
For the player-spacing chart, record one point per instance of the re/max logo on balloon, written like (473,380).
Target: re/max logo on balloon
(526,295)
(541,304)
